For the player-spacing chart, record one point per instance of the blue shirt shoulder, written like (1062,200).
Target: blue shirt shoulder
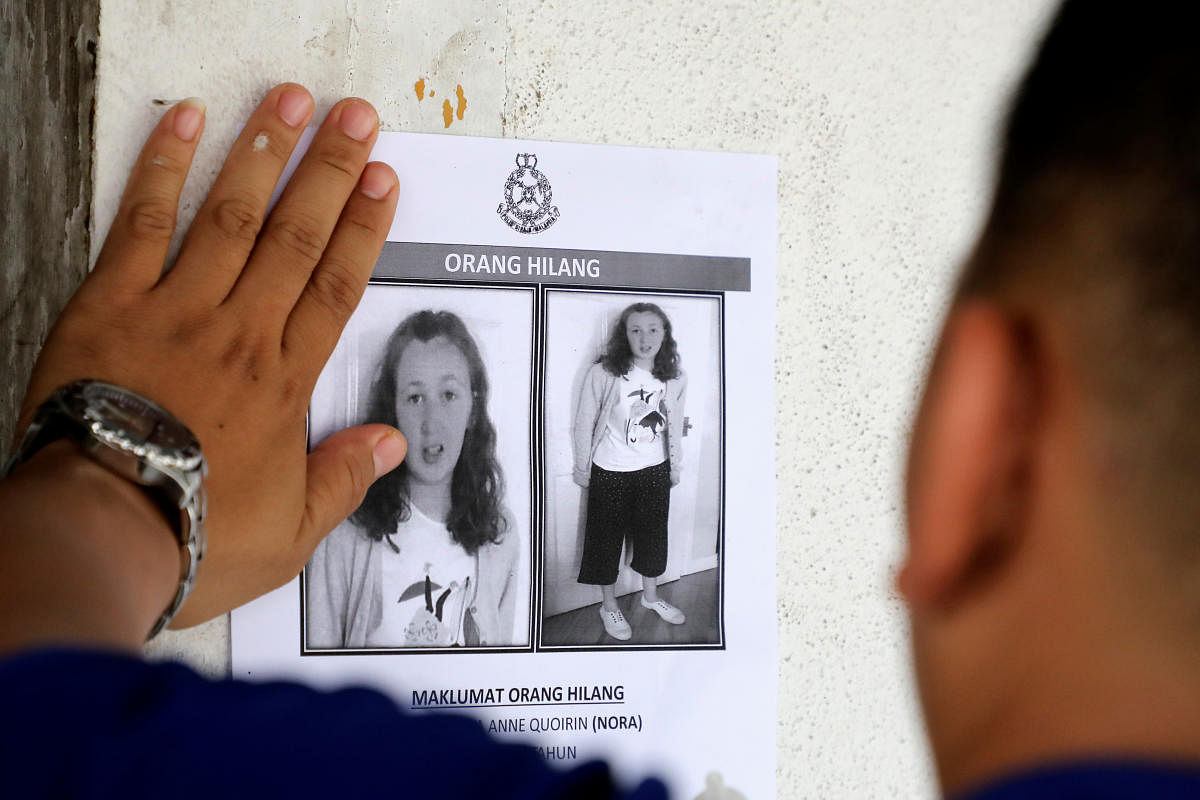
(1100,780)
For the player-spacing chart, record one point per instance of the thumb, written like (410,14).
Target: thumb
(341,469)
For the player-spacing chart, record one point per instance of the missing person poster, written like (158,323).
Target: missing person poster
(579,549)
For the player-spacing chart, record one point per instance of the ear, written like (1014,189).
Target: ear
(966,457)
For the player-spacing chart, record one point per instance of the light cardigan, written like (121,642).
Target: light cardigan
(345,589)
(597,396)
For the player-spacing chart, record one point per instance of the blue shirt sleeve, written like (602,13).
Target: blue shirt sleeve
(85,724)
(1096,780)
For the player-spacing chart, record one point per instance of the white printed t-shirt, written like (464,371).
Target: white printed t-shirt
(635,436)
(426,586)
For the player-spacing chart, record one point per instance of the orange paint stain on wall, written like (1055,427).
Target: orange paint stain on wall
(448,111)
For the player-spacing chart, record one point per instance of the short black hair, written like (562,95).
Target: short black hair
(1096,216)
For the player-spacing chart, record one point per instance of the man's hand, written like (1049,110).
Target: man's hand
(231,340)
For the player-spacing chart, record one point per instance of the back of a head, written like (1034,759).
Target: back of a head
(1096,225)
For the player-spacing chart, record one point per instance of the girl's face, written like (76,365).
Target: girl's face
(433,407)
(645,332)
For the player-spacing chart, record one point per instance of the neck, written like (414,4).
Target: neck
(644,363)
(1140,705)
(431,499)
(1091,662)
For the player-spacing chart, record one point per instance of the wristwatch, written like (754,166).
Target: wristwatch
(141,442)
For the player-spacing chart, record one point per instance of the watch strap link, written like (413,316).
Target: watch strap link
(175,479)
(190,555)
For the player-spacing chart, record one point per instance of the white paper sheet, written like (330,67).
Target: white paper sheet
(536,248)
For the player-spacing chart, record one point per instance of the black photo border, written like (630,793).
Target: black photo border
(534,516)
(539,578)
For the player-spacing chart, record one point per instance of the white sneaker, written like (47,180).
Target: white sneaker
(615,624)
(668,612)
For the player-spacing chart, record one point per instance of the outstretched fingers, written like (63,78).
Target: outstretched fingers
(137,244)
(206,340)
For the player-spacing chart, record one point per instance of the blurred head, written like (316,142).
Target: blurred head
(433,386)
(1054,471)
(644,330)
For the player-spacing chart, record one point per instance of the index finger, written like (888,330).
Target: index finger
(136,246)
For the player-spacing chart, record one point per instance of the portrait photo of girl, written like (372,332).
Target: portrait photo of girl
(628,425)
(434,557)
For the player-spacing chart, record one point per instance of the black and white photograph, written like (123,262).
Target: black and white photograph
(632,410)
(438,554)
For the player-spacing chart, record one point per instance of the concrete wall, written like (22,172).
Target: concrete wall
(883,115)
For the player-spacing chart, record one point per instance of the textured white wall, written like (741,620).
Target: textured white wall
(883,115)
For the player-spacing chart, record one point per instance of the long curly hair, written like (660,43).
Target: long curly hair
(477,484)
(617,357)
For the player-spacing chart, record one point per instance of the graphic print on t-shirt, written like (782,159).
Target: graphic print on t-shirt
(428,580)
(431,625)
(635,432)
(645,420)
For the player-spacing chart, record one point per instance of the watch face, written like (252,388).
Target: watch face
(137,419)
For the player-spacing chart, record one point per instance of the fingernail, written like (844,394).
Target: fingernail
(389,452)
(358,121)
(294,107)
(377,180)
(189,114)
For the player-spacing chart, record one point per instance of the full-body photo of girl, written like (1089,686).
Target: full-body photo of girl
(430,557)
(627,433)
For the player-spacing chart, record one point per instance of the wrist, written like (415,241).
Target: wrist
(85,555)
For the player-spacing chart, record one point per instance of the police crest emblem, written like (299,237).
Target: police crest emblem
(527,196)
